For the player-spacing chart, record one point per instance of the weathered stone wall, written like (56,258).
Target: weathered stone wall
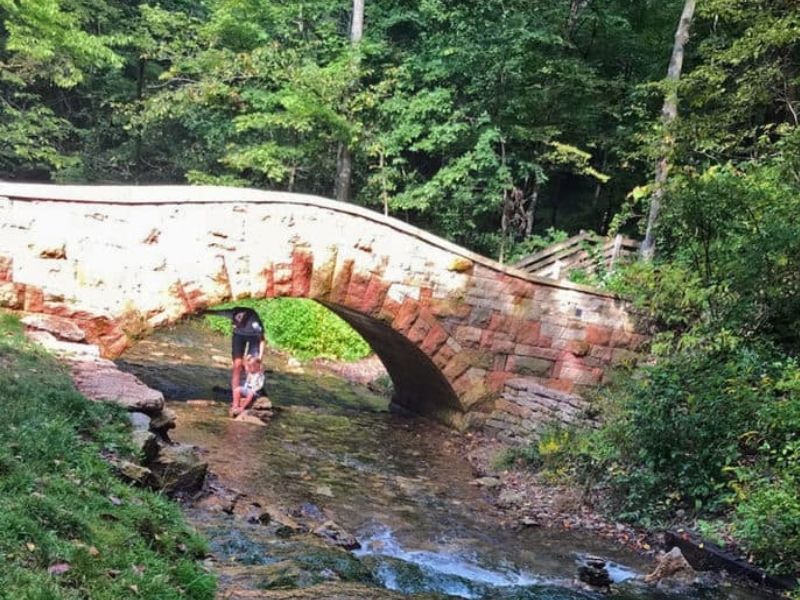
(462,337)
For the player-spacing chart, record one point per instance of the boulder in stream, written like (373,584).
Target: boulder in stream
(179,470)
(593,571)
(674,567)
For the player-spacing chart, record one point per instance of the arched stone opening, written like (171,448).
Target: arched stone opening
(420,387)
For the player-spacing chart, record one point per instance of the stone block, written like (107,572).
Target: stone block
(420,329)
(434,340)
(528,333)
(302,268)
(341,280)
(406,316)
(356,289)
(598,336)
(6,268)
(12,295)
(374,295)
(468,336)
(546,353)
(529,365)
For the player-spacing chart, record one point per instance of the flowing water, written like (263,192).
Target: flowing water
(397,484)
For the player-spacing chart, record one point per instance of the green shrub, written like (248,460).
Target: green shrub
(302,327)
(767,521)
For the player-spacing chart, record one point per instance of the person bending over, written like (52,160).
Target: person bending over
(248,339)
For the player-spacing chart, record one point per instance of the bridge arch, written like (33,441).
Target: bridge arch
(462,336)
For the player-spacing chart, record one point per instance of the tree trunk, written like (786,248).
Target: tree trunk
(344,160)
(669,113)
(575,9)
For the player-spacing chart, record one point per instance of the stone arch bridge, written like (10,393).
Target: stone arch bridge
(464,339)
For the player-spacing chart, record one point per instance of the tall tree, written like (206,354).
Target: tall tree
(344,159)
(669,113)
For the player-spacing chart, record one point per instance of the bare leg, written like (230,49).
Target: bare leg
(247,401)
(235,377)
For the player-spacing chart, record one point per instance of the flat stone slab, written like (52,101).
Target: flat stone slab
(61,328)
(101,380)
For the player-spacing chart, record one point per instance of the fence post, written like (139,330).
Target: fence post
(616,251)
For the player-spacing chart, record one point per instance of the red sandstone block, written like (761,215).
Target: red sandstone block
(582,374)
(561,385)
(487,338)
(496,323)
(598,336)
(374,295)
(496,381)
(620,339)
(408,313)
(34,299)
(6,268)
(341,280)
(389,310)
(436,337)
(443,356)
(356,289)
(302,268)
(420,329)
(529,333)
(455,367)
(268,273)
(112,348)
(521,289)
(425,296)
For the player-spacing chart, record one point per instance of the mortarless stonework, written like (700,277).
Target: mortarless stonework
(465,339)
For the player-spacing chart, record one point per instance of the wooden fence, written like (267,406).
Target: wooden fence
(586,251)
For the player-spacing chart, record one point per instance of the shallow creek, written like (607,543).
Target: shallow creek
(397,484)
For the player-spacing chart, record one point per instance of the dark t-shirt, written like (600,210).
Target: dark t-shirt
(245,320)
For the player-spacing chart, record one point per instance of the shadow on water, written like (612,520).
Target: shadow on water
(398,484)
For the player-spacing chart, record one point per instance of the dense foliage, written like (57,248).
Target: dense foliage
(302,327)
(69,528)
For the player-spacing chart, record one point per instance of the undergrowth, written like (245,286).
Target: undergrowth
(302,327)
(68,527)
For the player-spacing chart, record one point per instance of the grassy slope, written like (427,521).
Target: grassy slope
(60,504)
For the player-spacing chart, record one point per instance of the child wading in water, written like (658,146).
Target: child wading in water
(244,395)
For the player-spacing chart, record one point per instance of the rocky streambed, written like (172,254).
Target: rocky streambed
(338,498)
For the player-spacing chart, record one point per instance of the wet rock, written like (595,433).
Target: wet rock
(139,421)
(179,470)
(592,571)
(487,482)
(333,533)
(163,421)
(252,512)
(136,474)
(248,417)
(674,567)
(146,445)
